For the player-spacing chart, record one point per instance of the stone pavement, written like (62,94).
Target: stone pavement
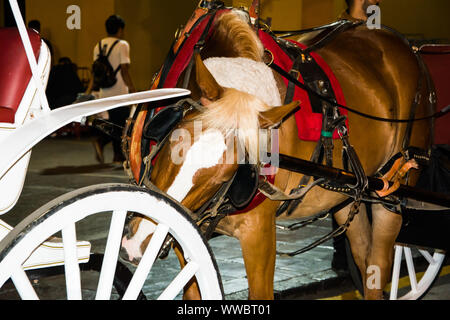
(61,165)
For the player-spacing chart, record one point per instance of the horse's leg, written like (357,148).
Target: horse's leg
(359,235)
(191,289)
(385,229)
(257,236)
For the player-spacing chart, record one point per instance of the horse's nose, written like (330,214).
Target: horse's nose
(123,254)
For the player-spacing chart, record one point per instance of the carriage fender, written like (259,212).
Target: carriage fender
(24,138)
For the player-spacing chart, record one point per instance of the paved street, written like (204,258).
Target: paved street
(61,165)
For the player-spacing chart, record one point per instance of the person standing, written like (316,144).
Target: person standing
(36,25)
(357,9)
(117,52)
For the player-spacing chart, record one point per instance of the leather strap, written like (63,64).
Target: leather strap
(275,194)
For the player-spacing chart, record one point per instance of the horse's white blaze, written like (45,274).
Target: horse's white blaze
(205,153)
(133,245)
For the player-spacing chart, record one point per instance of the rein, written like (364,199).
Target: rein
(290,33)
(320,216)
(285,74)
(341,26)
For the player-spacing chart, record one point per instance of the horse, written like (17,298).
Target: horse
(378,73)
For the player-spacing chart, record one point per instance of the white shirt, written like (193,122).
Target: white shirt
(119,55)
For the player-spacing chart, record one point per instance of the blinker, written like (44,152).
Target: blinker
(163,123)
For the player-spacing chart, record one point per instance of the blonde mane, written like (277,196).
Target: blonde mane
(236,114)
(234,30)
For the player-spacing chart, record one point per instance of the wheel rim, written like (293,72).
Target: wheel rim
(63,213)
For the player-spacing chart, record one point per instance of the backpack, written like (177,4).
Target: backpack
(102,71)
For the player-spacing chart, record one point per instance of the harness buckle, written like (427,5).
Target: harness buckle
(295,73)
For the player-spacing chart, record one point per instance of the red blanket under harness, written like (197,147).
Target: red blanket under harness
(309,123)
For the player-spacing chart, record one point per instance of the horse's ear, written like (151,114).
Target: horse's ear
(211,90)
(277,114)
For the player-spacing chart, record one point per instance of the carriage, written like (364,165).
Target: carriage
(48,236)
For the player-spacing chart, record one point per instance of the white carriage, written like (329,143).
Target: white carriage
(47,237)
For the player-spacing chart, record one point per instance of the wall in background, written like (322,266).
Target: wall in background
(75,44)
(151,24)
(150,29)
(425,18)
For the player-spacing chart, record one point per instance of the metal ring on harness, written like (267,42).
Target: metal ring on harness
(272,58)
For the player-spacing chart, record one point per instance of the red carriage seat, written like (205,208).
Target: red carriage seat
(18,101)
(437,58)
(15,72)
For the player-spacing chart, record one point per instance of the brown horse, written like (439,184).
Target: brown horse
(379,76)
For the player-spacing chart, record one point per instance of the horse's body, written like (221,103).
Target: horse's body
(378,74)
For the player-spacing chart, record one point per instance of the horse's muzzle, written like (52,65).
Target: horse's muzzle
(124,254)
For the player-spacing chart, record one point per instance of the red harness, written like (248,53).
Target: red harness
(309,123)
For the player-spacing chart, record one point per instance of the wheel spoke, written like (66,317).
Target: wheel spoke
(111,254)
(114,200)
(396,272)
(146,263)
(23,285)
(72,269)
(411,269)
(179,282)
(427,256)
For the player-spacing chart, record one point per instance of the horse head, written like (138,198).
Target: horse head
(240,101)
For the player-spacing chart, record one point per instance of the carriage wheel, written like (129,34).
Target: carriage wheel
(429,260)
(416,289)
(61,217)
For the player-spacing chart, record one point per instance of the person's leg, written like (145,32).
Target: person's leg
(100,141)
(118,117)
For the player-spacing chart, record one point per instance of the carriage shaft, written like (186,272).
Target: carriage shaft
(345,177)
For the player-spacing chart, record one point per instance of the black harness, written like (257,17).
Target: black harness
(323,100)
(321,96)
